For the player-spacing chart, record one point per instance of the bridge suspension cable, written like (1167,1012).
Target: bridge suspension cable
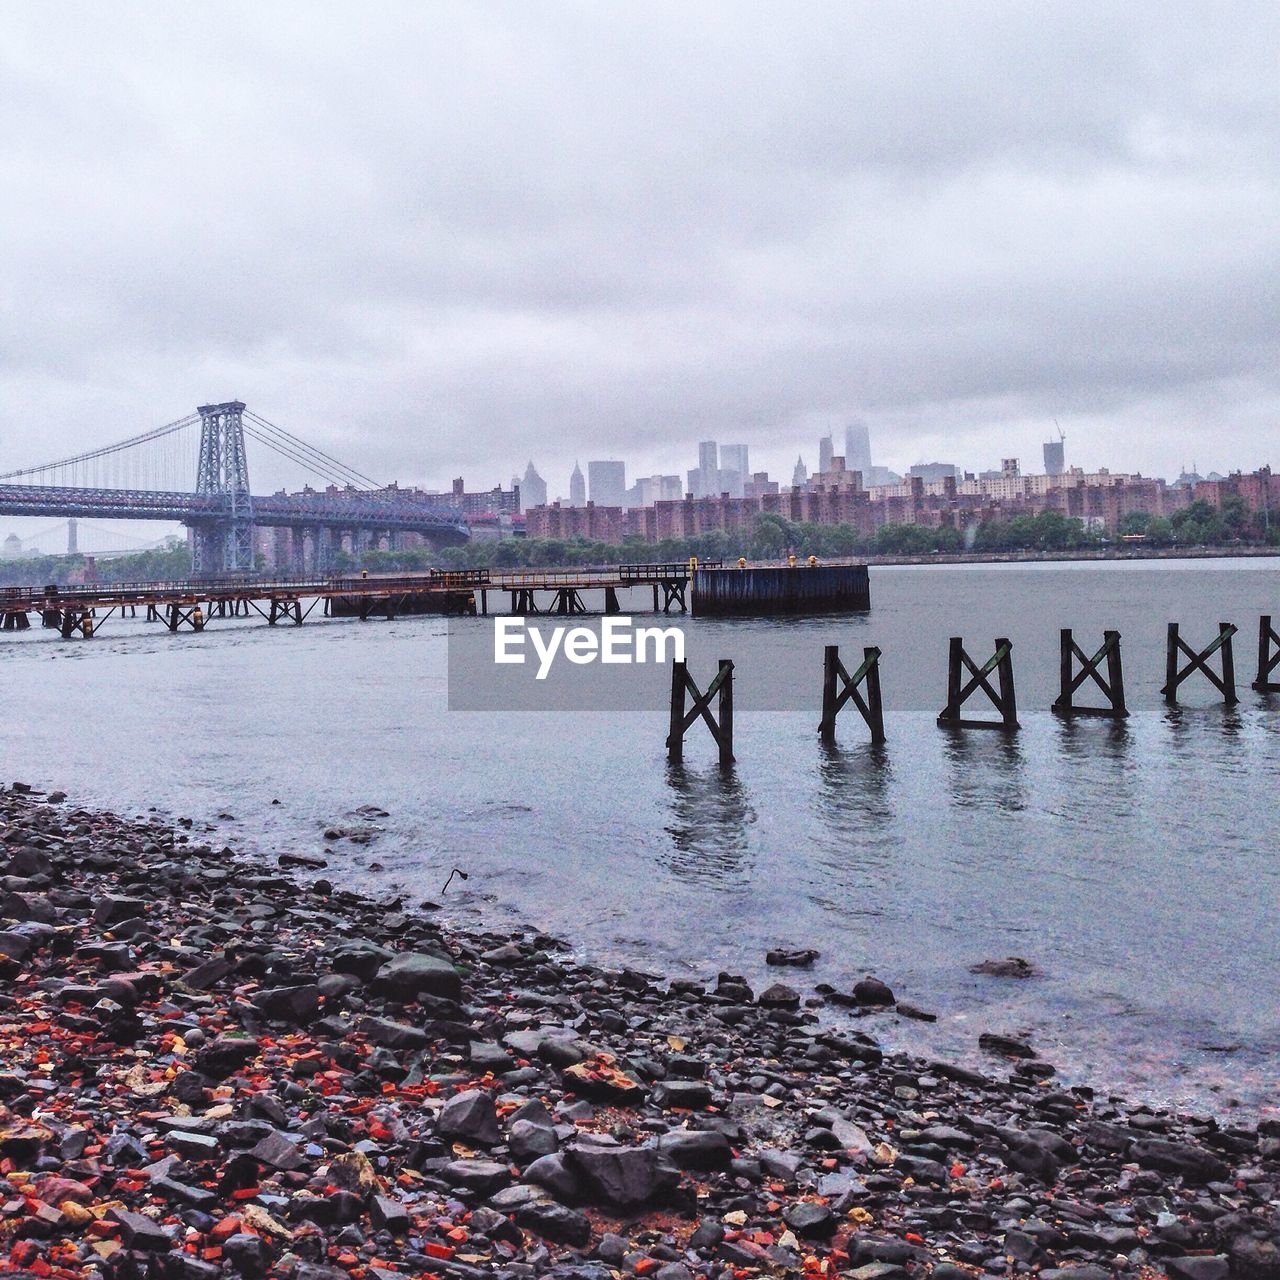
(107,459)
(286,443)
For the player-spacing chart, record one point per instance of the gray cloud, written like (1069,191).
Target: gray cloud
(444,238)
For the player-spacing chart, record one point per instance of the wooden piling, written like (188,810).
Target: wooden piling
(1112,685)
(720,723)
(958,690)
(839,687)
(1199,661)
(1268,656)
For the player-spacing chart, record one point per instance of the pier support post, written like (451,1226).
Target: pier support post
(959,690)
(1268,656)
(839,687)
(611,605)
(1199,661)
(1112,685)
(720,724)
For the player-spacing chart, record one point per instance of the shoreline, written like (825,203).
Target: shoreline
(1080,554)
(212,1069)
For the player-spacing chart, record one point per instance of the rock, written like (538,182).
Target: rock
(779,996)
(1193,1163)
(277,1151)
(139,1231)
(623,1177)
(872,992)
(555,1223)
(1010,967)
(1005,1046)
(528,1141)
(413,973)
(293,1005)
(688,1095)
(225,1055)
(484,1176)
(800,959)
(910,1011)
(600,1079)
(1198,1267)
(693,1149)
(470,1117)
(553,1174)
(810,1221)
(112,910)
(392,1034)
(1085,1271)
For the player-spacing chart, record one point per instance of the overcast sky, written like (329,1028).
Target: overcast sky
(441,239)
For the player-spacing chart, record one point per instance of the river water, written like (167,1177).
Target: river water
(1136,865)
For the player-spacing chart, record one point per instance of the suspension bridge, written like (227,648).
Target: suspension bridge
(149,477)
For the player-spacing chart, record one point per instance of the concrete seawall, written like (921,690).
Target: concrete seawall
(835,588)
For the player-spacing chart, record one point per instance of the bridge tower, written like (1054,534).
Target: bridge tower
(223,544)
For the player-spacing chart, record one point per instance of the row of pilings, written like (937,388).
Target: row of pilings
(991,683)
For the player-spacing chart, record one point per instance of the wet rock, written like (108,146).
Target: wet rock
(293,1005)
(1192,1163)
(873,993)
(1005,1046)
(412,973)
(779,996)
(800,959)
(692,1149)
(1009,967)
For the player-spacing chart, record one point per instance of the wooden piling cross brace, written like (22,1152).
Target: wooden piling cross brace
(1268,656)
(178,615)
(1004,701)
(568,601)
(833,674)
(672,594)
(1224,683)
(720,724)
(1112,684)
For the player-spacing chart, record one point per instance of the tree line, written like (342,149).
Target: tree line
(771,538)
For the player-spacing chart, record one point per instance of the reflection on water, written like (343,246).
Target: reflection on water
(985,768)
(854,788)
(710,818)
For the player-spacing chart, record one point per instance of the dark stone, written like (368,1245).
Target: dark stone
(527,1141)
(554,1174)
(139,1231)
(391,1034)
(247,1254)
(277,1151)
(800,959)
(1193,1163)
(412,973)
(622,1176)
(555,1223)
(389,1215)
(1006,1046)
(1198,1267)
(1010,967)
(294,1005)
(470,1116)
(810,1221)
(225,1055)
(484,1176)
(689,1095)
(779,996)
(872,992)
(691,1149)
(112,910)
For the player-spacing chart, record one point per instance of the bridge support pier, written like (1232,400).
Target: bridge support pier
(178,615)
(16,620)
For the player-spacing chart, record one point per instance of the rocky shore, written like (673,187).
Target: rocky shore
(214,1068)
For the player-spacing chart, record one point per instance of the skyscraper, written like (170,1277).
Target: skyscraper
(577,488)
(607,483)
(734,469)
(533,489)
(826,451)
(857,449)
(1055,457)
(800,476)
